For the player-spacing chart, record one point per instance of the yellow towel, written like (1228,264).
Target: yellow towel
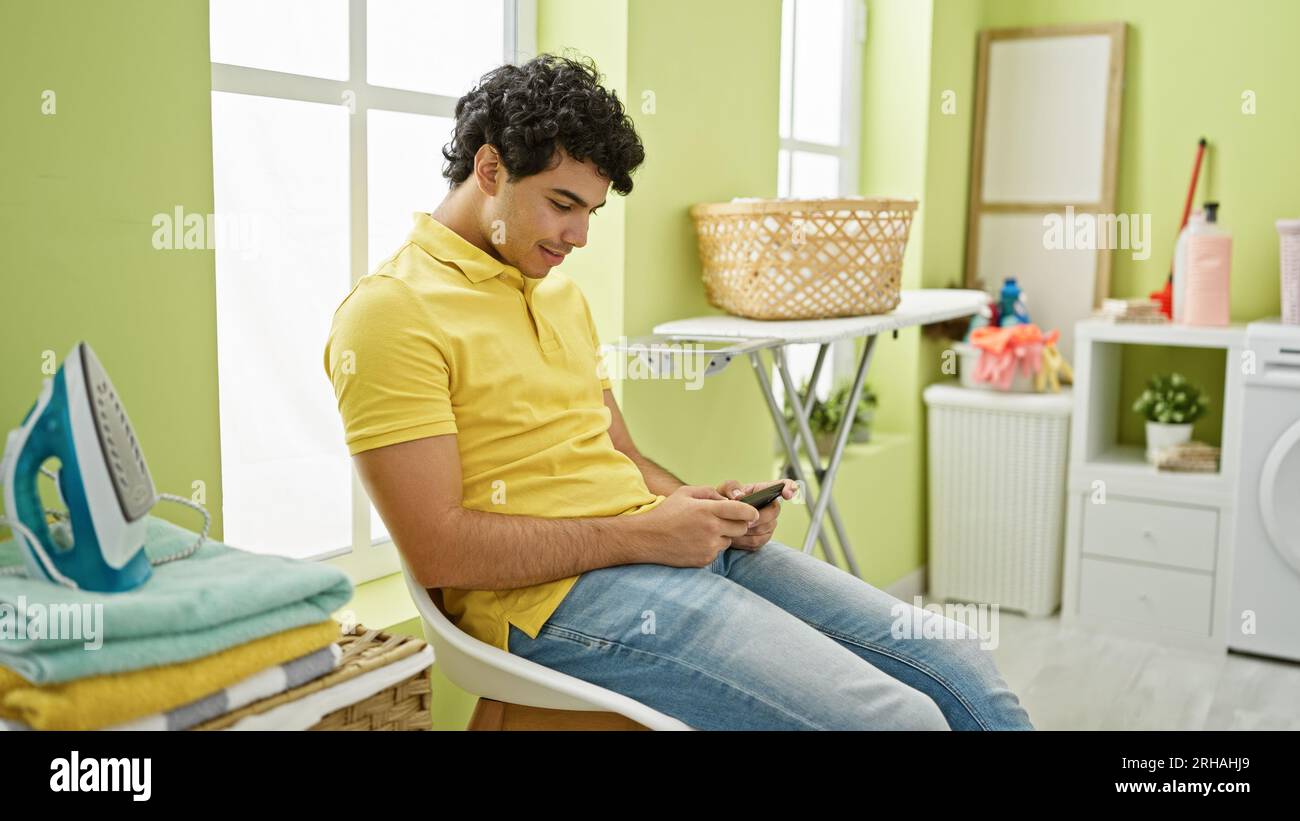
(102,701)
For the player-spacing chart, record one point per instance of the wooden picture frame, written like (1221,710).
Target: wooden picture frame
(981,205)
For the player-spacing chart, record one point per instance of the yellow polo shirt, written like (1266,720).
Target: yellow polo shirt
(443,338)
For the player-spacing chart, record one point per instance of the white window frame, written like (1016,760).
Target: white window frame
(841,362)
(366,558)
(854,38)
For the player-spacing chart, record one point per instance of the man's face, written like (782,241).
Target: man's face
(545,216)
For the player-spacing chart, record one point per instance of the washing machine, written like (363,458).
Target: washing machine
(1266,551)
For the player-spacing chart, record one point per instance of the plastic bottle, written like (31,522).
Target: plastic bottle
(1011,304)
(1209,260)
(1180,264)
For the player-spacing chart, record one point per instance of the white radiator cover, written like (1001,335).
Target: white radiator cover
(997,480)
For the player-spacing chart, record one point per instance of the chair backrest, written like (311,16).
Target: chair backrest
(435,594)
(483,670)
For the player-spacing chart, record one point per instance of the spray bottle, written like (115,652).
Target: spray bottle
(1011,304)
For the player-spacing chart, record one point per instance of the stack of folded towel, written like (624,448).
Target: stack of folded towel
(1142,311)
(205,635)
(1188,456)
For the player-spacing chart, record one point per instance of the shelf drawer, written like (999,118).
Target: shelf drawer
(1171,599)
(1158,532)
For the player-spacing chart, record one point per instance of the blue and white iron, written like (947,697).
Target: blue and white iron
(103,481)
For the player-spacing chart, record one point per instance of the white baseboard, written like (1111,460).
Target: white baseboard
(913,584)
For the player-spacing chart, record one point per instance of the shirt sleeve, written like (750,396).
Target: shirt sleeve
(389,364)
(601,369)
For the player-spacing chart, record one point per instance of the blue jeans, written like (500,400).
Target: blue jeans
(771,638)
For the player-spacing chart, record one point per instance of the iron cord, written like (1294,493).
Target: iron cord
(18,526)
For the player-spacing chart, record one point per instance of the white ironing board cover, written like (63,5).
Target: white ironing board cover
(920,307)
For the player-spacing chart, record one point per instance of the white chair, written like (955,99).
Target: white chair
(517,693)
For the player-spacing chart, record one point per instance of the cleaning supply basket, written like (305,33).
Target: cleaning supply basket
(968,357)
(803,258)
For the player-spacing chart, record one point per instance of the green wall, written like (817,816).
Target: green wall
(894,163)
(130,137)
(711,136)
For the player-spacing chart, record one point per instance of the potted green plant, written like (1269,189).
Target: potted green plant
(1170,404)
(824,417)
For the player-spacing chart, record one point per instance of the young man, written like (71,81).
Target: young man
(466,372)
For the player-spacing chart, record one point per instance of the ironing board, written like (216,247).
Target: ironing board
(751,337)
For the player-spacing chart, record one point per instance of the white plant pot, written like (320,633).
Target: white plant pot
(1162,435)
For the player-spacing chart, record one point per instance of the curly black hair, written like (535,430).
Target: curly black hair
(529,110)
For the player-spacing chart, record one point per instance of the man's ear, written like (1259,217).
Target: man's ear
(488,171)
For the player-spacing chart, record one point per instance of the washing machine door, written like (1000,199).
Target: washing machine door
(1279,495)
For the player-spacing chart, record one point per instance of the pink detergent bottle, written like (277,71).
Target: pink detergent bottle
(1207,297)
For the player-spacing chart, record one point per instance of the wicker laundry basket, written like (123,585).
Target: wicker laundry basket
(1289,233)
(402,706)
(803,258)
(997,478)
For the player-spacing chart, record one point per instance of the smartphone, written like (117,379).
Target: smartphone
(763,496)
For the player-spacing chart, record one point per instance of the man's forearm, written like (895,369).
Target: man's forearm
(479,550)
(657,479)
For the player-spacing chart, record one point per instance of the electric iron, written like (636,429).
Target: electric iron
(103,483)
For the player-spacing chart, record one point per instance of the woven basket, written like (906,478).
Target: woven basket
(402,706)
(803,259)
(997,464)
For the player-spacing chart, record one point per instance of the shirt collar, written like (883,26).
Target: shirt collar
(445,245)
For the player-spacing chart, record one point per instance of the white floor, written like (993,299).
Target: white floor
(1069,678)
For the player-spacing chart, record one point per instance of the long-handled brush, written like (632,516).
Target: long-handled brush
(1165,296)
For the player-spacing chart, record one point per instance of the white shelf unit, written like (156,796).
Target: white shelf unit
(1148,553)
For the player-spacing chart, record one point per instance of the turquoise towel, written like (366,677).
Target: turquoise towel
(214,599)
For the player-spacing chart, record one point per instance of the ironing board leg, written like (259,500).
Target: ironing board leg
(810,443)
(791,451)
(812,380)
(837,453)
(807,398)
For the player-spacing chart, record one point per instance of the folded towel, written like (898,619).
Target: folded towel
(219,597)
(261,685)
(304,713)
(102,701)
(256,687)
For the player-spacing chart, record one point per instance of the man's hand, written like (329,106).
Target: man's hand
(694,524)
(760,532)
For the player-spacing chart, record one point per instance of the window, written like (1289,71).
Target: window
(328,119)
(821,64)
